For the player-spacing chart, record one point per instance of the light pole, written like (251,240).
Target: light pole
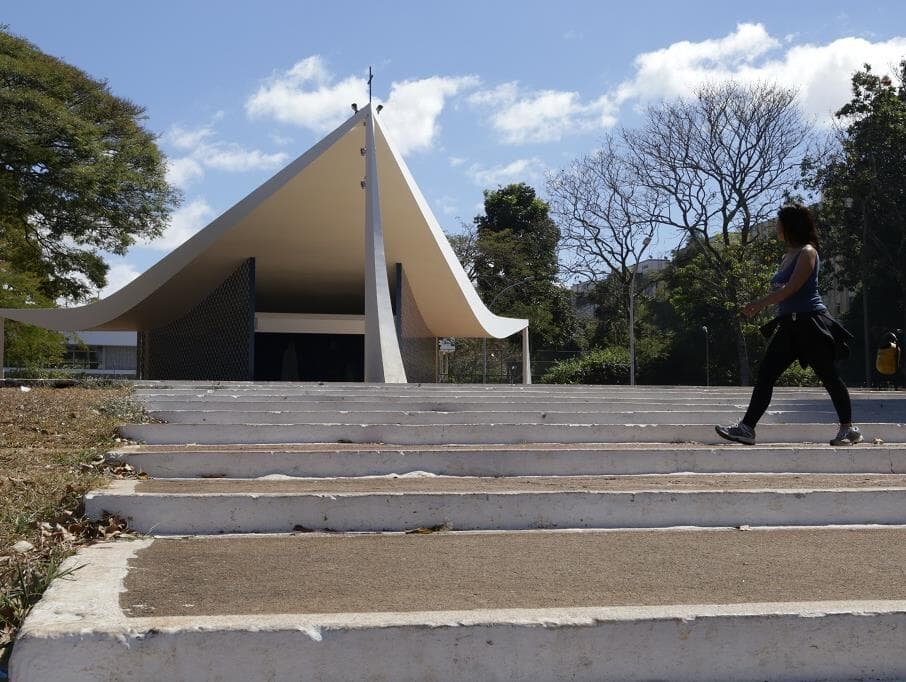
(707,358)
(484,341)
(848,202)
(635,269)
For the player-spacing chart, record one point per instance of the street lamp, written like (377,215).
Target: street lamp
(484,341)
(707,358)
(635,269)
(848,202)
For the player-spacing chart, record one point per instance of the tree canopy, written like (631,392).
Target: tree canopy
(863,208)
(516,264)
(78,173)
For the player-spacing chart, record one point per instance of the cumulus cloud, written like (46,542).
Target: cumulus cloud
(518,170)
(310,96)
(184,223)
(184,171)
(118,276)
(522,116)
(820,73)
(307,95)
(204,151)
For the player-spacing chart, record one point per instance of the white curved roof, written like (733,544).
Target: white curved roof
(305,229)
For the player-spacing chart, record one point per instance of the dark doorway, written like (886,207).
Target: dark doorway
(309,357)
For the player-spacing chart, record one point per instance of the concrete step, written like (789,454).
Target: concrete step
(303,432)
(484,403)
(696,416)
(314,460)
(804,604)
(442,392)
(202,506)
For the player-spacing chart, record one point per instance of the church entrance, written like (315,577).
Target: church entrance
(309,357)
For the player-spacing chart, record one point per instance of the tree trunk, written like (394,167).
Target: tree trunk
(742,353)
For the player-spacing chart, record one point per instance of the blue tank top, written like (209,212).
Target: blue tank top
(807,299)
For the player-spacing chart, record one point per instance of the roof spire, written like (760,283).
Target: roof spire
(370,78)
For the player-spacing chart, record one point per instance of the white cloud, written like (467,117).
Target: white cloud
(518,170)
(187,138)
(232,157)
(205,151)
(524,116)
(308,95)
(414,106)
(447,205)
(182,172)
(281,140)
(821,73)
(184,223)
(456,161)
(118,276)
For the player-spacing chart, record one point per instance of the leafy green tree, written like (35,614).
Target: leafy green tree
(863,209)
(516,265)
(27,347)
(78,172)
(696,292)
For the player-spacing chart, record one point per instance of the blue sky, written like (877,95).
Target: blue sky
(477,93)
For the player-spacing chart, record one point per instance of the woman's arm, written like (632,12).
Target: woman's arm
(803,270)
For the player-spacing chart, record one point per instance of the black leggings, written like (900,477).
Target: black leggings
(780,355)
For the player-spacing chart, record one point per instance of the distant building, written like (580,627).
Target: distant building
(110,354)
(648,284)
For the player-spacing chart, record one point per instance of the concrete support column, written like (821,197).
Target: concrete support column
(526,358)
(383,361)
(2,345)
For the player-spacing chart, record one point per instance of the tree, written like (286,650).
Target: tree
(27,347)
(863,207)
(697,299)
(465,246)
(722,161)
(516,264)
(78,172)
(606,217)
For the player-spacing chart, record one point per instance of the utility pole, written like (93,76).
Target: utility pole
(865,298)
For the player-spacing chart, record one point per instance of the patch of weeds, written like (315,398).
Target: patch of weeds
(52,451)
(25,578)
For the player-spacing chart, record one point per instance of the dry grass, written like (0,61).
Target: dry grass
(52,445)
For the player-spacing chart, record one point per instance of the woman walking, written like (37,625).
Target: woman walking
(801,331)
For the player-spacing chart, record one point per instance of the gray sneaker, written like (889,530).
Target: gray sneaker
(847,435)
(741,433)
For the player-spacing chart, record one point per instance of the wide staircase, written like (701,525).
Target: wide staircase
(444,532)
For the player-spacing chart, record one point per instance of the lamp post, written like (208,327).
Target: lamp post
(635,269)
(484,341)
(707,358)
(848,202)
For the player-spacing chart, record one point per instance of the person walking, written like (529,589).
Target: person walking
(802,330)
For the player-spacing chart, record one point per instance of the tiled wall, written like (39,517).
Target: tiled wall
(214,341)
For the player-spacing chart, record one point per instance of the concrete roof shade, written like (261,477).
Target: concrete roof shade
(305,229)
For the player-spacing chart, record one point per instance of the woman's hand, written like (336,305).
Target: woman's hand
(753,308)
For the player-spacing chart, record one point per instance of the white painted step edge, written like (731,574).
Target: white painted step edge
(214,434)
(515,462)
(200,514)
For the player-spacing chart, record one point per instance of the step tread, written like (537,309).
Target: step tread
(492,570)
